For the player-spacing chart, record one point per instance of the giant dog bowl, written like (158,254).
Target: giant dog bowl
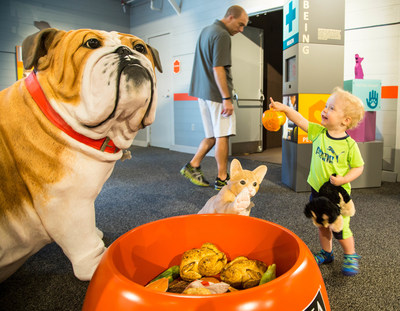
(144,252)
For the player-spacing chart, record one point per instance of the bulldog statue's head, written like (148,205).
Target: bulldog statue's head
(102,84)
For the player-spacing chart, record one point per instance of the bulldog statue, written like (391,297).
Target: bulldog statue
(62,129)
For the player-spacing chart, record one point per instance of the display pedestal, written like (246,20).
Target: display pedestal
(372,153)
(369,91)
(296,165)
(365,131)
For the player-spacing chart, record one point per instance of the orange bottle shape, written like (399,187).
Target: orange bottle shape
(273,120)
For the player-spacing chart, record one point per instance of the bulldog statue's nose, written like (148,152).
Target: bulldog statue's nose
(124,51)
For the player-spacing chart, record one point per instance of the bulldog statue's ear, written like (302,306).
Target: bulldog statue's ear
(36,46)
(156,58)
(41,25)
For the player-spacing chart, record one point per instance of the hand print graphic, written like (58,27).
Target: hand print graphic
(372,100)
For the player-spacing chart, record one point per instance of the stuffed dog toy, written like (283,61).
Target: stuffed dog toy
(327,209)
(61,131)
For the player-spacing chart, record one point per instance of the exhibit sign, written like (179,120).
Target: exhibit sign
(290,23)
(310,107)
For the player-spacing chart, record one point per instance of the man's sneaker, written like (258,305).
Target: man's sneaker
(323,257)
(350,265)
(194,174)
(221,183)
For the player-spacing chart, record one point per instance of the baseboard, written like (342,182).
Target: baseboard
(140,143)
(189,149)
(389,176)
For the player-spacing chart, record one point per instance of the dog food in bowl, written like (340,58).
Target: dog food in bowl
(205,271)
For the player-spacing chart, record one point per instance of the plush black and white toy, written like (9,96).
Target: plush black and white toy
(327,209)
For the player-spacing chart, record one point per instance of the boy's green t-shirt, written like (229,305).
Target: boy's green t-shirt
(331,156)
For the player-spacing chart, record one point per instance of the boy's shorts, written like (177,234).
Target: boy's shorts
(216,125)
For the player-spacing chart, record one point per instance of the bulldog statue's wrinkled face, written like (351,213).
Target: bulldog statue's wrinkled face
(101,83)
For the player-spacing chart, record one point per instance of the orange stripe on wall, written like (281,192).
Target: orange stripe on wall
(389,91)
(183,96)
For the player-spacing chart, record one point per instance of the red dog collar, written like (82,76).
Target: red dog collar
(32,84)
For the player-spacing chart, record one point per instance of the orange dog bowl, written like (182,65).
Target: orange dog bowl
(142,253)
(273,120)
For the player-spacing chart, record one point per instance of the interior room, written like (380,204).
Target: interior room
(333,41)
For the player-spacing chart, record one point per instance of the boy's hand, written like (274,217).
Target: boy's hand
(291,114)
(276,105)
(351,175)
(337,180)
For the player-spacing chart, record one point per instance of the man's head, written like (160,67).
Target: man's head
(235,19)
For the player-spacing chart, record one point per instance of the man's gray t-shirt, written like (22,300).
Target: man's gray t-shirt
(213,49)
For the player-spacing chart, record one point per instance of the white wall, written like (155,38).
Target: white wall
(372,30)
(17,17)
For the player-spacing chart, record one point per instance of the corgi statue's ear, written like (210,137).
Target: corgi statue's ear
(236,168)
(260,173)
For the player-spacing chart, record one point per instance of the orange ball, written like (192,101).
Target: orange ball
(273,120)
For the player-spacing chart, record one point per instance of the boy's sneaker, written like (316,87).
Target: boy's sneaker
(323,257)
(221,183)
(350,264)
(194,174)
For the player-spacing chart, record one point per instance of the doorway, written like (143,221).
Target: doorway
(248,94)
(271,24)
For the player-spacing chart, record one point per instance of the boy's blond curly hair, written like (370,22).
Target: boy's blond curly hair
(353,106)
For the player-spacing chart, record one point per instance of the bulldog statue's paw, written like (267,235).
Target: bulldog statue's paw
(84,266)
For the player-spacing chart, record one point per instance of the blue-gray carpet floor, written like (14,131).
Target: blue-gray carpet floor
(149,187)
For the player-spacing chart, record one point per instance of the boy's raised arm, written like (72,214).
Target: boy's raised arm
(292,114)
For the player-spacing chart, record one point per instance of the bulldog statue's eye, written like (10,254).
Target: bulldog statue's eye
(92,44)
(140,48)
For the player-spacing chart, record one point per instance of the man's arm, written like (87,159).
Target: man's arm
(220,79)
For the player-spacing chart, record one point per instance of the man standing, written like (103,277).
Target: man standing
(212,84)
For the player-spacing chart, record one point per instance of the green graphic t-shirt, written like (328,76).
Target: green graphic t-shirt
(331,156)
